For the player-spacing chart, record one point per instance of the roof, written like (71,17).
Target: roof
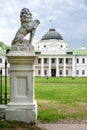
(52,34)
(78,52)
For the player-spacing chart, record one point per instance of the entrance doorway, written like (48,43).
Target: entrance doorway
(53,72)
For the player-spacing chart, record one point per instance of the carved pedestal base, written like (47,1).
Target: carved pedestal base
(22,106)
(24,112)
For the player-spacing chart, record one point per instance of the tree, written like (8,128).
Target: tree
(8,47)
(5,47)
(2,45)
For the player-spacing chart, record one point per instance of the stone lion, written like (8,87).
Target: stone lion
(27,26)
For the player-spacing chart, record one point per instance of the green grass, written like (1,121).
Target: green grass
(3,84)
(61,98)
(61,79)
(3,89)
(63,93)
(61,101)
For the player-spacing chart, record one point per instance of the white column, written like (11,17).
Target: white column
(57,67)
(49,67)
(73,67)
(42,67)
(64,68)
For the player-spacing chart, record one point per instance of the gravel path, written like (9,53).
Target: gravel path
(63,126)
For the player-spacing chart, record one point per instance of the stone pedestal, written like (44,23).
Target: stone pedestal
(22,106)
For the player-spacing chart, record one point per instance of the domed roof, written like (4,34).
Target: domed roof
(52,34)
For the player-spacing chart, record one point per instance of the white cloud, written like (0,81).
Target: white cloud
(35,3)
(7,35)
(69,17)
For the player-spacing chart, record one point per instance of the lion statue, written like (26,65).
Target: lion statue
(27,26)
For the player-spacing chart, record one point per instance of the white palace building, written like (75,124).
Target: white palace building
(55,59)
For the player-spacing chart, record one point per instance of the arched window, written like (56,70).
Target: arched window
(44,46)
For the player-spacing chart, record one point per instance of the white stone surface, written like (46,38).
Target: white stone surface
(2,111)
(25,112)
(23,106)
(51,46)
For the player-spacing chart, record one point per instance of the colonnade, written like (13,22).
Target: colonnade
(57,66)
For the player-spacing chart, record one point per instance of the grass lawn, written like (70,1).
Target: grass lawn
(61,99)
(61,79)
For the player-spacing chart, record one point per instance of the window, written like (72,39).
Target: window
(45,60)
(60,61)
(39,72)
(69,53)
(60,72)
(39,60)
(44,46)
(77,60)
(53,60)
(45,72)
(67,60)
(83,72)
(0,60)
(37,53)
(77,72)
(83,60)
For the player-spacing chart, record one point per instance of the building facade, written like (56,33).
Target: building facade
(55,59)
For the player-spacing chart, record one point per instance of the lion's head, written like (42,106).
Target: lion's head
(25,17)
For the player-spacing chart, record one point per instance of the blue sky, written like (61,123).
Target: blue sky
(69,17)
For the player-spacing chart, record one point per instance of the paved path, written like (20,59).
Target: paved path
(63,126)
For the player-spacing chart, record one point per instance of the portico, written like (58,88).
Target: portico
(55,66)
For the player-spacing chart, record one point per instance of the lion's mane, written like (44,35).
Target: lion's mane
(26,18)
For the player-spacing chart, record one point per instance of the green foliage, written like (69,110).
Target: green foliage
(4,47)
(13,125)
(7,124)
(8,47)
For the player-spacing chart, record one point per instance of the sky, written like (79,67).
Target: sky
(69,18)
